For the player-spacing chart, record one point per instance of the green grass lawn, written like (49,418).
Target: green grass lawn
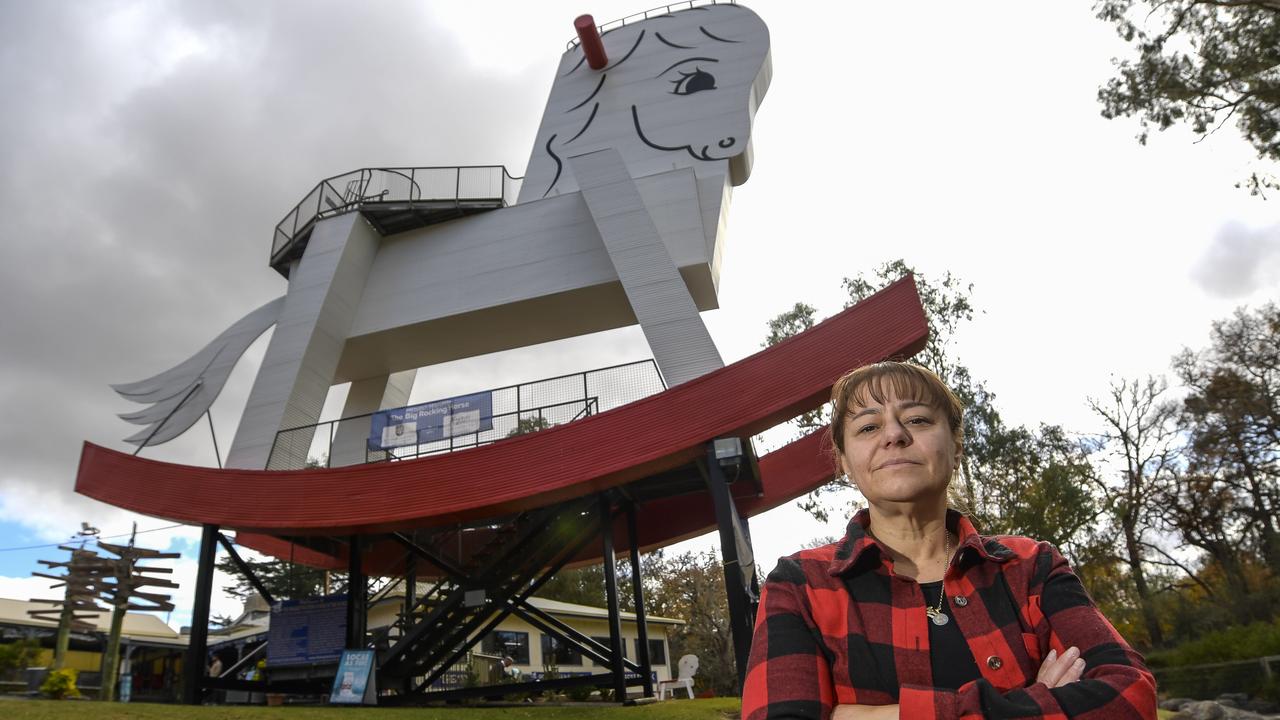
(714,709)
(717,709)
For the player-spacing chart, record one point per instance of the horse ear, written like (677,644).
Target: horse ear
(637,105)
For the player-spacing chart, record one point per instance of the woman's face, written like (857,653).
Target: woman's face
(899,451)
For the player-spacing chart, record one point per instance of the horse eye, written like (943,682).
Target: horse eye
(696,81)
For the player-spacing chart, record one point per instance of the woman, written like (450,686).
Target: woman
(914,614)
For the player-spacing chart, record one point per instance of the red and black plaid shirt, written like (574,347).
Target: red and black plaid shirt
(836,626)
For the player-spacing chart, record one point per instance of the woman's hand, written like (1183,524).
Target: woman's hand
(1058,670)
(865,712)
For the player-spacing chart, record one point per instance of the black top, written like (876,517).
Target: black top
(949,654)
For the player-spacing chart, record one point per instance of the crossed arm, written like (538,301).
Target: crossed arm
(1056,671)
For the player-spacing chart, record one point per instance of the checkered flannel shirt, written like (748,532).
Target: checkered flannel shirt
(836,626)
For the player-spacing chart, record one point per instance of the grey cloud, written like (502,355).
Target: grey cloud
(1240,261)
(137,201)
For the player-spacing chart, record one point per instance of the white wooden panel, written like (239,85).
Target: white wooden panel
(324,291)
(650,108)
(681,345)
(367,396)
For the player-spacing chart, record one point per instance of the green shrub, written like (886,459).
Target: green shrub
(59,684)
(1243,642)
(19,655)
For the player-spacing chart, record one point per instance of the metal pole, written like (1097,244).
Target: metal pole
(357,595)
(611,595)
(637,590)
(181,402)
(216,454)
(734,584)
(194,666)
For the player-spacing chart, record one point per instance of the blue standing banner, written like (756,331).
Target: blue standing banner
(355,683)
(429,422)
(307,631)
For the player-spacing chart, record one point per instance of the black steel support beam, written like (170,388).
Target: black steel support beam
(531,585)
(611,597)
(193,667)
(561,631)
(357,594)
(249,574)
(734,582)
(642,631)
(410,602)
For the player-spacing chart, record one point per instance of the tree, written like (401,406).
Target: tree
(582,585)
(1203,63)
(1141,437)
(690,587)
(1012,480)
(529,425)
(1232,418)
(283,579)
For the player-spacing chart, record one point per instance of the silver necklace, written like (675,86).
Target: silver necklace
(936,616)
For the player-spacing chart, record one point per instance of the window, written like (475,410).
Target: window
(605,642)
(558,652)
(504,642)
(657,652)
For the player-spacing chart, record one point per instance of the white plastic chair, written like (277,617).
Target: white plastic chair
(688,666)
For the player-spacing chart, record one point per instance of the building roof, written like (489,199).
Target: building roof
(138,626)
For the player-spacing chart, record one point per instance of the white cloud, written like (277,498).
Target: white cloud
(1240,260)
(28,588)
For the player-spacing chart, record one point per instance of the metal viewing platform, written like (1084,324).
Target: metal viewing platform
(393,200)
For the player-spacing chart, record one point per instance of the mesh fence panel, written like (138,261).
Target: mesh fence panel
(517,409)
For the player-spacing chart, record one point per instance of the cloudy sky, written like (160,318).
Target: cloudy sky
(148,148)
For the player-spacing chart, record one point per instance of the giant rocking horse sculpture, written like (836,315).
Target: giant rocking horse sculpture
(620,220)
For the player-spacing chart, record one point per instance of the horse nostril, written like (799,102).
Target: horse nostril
(727,142)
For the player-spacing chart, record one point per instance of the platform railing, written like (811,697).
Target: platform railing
(359,188)
(652,12)
(516,409)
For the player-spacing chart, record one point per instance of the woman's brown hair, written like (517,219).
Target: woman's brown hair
(906,380)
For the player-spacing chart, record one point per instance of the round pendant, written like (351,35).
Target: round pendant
(940,619)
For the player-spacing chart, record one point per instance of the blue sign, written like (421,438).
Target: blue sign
(354,684)
(428,422)
(313,630)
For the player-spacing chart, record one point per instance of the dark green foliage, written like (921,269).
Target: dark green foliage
(690,587)
(283,579)
(1202,63)
(796,320)
(1240,646)
(584,586)
(529,425)
(19,654)
(1013,480)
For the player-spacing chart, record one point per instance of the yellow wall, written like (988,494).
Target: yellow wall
(81,660)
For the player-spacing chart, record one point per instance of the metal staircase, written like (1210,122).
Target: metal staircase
(493,583)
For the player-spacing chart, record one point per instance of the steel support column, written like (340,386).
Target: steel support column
(410,600)
(611,595)
(249,575)
(642,631)
(735,584)
(410,586)
(193,667)
(357,594)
